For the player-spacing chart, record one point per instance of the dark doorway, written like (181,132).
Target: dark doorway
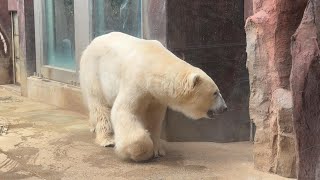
(209,34)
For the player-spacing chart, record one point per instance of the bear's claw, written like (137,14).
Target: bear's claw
(159,150)
(105,140)
(159,153)
(107,143)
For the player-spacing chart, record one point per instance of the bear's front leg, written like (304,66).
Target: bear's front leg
(158,147)
(154,119)
(132,139)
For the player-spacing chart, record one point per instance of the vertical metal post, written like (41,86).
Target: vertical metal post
(13,49)
(50,27)
(99,17)
(12,8)
(83,35)
(141,19)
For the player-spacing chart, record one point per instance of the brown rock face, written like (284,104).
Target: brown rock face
(305,84)
(5,44)
(5,61)
(268,34)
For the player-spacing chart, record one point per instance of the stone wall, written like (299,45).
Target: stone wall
(55,93)
(268,33)
(305,84)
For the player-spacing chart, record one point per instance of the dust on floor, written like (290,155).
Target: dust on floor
(44,142)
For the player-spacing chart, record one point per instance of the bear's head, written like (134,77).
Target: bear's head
(198,96)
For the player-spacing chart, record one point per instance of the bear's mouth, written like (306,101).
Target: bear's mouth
(211,114)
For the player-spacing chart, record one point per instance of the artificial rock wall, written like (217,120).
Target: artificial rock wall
(268,33)
(305,85)
(5,44)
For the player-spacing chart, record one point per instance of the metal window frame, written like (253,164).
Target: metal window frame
(82,19)
(83,36)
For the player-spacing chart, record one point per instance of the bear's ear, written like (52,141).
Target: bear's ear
(194,79)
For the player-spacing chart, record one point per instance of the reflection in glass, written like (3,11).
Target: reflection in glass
(116,15)
(59,33)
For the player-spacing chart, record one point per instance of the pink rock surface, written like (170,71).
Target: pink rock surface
(268,34)
(305,84)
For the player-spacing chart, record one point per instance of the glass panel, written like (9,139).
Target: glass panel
(155,20)
(210,35)
(116,15)
(59,33)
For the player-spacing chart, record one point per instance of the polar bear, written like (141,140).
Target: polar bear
(128,83)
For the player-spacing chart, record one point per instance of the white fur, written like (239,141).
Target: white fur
(129,82)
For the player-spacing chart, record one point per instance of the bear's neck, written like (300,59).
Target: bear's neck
(166,83)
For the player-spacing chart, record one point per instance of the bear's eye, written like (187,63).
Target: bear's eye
(215,93)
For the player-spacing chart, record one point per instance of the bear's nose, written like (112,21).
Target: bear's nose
(224,109)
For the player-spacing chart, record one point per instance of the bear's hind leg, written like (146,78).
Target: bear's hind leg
(99,118)
(99,108)
(103,128)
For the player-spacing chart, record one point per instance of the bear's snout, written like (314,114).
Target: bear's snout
(225,109)
(220,107)
(221,110)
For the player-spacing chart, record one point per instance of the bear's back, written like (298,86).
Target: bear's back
(126,45)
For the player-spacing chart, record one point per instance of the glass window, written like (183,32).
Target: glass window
(210,35)
(59,34)
(116,15)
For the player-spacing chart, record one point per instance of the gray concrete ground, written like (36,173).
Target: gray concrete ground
(44,142)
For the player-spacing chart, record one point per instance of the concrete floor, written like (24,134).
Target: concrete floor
(44,142)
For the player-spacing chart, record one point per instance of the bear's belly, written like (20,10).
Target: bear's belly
(110,87)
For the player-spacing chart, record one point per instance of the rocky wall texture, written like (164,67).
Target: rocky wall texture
(305,85)
(268,33)
(5,44)
(5,60)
